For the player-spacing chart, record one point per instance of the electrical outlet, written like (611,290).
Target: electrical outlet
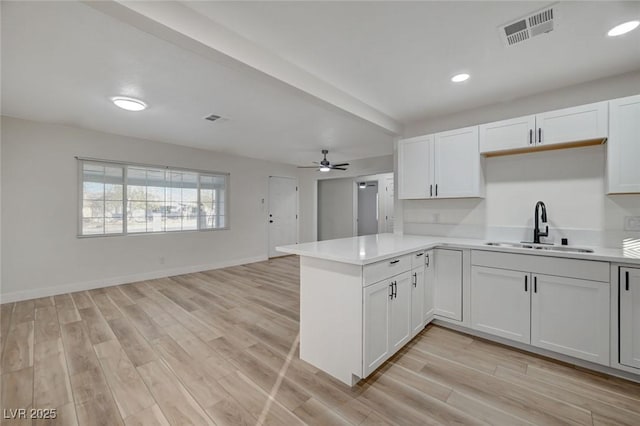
(632,223)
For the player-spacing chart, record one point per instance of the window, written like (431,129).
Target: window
(119,199)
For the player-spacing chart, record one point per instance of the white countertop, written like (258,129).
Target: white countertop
(373,248)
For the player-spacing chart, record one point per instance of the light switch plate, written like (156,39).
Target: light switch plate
(632,223)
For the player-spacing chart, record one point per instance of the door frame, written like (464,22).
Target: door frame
(268,209)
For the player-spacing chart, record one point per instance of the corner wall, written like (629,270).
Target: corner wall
(41,254)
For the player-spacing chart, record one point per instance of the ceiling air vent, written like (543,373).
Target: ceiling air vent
(527,27)
(212,117)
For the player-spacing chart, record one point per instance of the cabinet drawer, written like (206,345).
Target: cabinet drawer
(574,268)
(418,259)
(387,268)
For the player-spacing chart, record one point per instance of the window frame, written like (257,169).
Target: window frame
(125,166)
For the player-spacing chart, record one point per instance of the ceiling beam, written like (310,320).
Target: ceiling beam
(177,23)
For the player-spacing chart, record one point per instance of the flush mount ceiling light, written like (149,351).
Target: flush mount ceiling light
(129,104)
(459,78)
(623,28)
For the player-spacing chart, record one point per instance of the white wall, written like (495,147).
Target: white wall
(41,254)
(335,208)
(571,182)
(308,181)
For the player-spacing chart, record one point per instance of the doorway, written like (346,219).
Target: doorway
(368,210)
(283,213)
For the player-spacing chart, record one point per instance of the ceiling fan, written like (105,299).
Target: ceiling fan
(325,165)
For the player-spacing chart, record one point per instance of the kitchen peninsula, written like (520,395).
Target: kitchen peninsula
(363,298)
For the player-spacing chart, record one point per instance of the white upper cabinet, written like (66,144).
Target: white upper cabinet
(415,167)
(457,164)
(507,135)
(623,150)
(564,126)
(444,165)
(581,123)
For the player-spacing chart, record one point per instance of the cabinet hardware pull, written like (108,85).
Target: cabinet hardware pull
(626,274)
(393,262)
(395,289)
(526,279)
(415,279)
(535,284)
(539,134)
(427,261)
(530,136)
(391,289)
(431,190)
(419,254)
(436,189)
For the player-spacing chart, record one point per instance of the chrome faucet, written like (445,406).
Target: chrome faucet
(536,231)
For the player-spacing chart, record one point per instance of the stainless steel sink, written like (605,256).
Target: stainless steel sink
(541,247)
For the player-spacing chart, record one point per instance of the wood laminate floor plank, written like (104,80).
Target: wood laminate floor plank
(214,347)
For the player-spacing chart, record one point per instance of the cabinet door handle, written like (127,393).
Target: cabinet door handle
(539,134)
(530,136)
(415,279)
(436,189)
(393,262)
(395,286)
(526,282)
(535,284)
(427,261)
(391,291)
(626,276)
(431,190)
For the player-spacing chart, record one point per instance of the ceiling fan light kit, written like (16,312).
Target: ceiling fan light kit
(325,165)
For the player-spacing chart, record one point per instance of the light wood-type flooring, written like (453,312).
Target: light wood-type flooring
(220,347)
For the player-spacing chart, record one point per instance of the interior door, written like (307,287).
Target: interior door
(630,317)
(387,196)
(283,213)
(368,208)
(501,303)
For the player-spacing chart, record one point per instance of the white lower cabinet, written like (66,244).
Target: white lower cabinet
(500,302)
(387,319)
(571,316)
(448,283)
(630,317)
(429,279)
(417,300)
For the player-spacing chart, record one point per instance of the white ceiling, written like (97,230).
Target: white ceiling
(62,61)
(291,77)
(398,56)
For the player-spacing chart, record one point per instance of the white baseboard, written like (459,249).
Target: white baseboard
(539,351)
(17,296)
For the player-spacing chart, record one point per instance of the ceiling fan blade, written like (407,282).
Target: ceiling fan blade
(338,168)
(307,167)
(340,165)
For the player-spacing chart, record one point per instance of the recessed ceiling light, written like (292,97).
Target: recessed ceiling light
(129,104)
(324,169)
(459,78)
(623,28)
